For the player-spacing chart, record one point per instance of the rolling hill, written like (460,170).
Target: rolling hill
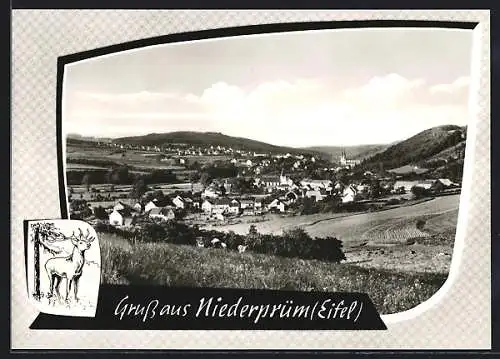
(208,139)
(437,143)
(76,138)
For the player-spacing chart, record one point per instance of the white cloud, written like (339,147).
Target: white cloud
(132,104)
(388,90)
(302,112)
(459,84)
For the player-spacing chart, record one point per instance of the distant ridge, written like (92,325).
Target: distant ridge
(77,137)
(209,139)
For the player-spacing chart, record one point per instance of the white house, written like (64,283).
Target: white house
(149,206)
(270,182)
(179,202)
(246,203)
(116,218)
(445,182)
(362,188)
(210,192)
(318,195)
(234,206)
(119,206)
(277,204)
(162,213)
(120,218)
(316,184)
(349,194)
(221,205)
(255,154)
(425,184)
(207,206)
(407,185)
(137,207)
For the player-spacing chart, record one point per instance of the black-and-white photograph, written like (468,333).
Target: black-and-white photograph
(326,160)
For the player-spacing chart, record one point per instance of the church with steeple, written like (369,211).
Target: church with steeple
(345,162)
(285,180)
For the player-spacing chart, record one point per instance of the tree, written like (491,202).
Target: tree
(43,234)
(252,230)
(242,185)
(118,175)
(308,206)
(330,249)
(419,191)
(86,181)
(296,233)
(100,213)
(180,213)
(253,239)
(205,179)
(194,177)
(159,195)
(375,189)
(138,189)
(195,166)
(161,176)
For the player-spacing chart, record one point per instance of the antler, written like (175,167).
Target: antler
(88,237)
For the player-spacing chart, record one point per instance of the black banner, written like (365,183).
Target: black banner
(164,308)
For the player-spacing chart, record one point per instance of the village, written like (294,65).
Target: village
(304,185)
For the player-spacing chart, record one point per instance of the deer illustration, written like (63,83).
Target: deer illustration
(69,267)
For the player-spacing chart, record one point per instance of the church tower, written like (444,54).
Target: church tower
(282,178)
(343,158)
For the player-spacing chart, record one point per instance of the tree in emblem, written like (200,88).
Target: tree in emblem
(43,235)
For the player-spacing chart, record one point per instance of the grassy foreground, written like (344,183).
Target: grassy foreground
(184,265)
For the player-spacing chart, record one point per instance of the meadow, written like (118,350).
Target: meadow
(394,225)
(184,265)
(135,158)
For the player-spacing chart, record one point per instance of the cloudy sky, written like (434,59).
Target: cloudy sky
(334,87)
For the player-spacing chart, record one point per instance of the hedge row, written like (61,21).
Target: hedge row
(294,243)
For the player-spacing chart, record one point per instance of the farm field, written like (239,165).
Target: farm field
(403,258)
(83,167)
(388,226)
(134,158)
(182,265)
(125,189)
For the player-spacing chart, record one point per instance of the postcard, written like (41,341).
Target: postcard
(300,180)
